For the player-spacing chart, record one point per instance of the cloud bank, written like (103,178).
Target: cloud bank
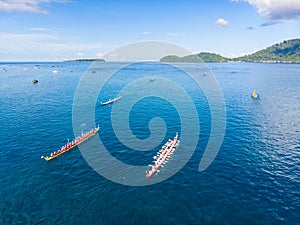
(221,22)
(44,47)
(30,6)
(276,10)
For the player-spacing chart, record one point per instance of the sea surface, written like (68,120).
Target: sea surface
(255,178)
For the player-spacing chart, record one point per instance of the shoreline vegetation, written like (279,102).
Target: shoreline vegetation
(284,52)
(85,60)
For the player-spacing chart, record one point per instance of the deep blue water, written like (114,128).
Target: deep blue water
(255,178)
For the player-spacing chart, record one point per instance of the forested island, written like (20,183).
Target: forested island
(287,52)
(86,60)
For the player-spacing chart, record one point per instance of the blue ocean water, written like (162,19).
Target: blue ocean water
(253,180)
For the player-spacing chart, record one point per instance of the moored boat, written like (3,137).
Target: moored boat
(163,156)
(254,95)
(72,144)
(111,101)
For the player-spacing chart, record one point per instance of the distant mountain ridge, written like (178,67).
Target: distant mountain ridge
(286,51)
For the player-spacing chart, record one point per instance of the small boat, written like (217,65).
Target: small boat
(72,144)
(163,156)
(111,101)
(55,71)
(254,95)
(152,78)
(34,81)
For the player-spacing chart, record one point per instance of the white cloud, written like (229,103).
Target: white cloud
(221,22)
(43,47)
(80,54)
(276,10)
(18,38)
(144,33)
(39,29)
(31,6)
(99,54)
(144,51)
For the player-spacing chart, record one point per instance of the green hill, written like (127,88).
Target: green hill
(287,51)
(200,57)
(212,57)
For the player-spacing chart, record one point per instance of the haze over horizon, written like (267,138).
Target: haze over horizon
(54,30)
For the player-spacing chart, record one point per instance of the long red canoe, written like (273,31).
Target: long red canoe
(72,144)
(163,156)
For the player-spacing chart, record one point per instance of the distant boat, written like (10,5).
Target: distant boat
(111,101)
(152,78)
(55,71)
(34,81)
(254,95)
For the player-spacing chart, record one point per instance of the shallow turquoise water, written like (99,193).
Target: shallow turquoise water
(253,180)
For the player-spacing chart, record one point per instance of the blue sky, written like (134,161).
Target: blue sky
(53,30)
